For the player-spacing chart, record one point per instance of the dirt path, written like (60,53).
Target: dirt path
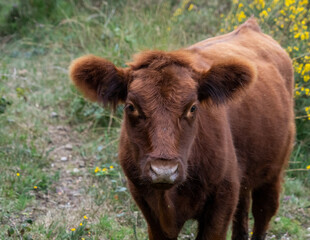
(67,200)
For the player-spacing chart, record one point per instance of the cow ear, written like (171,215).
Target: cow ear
(99,80)
(224,80)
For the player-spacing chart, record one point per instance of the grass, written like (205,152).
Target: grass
(41,113)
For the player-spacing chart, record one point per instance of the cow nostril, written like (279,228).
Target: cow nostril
(164,170)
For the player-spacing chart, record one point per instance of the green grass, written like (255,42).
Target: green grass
(21,170)
(41,112)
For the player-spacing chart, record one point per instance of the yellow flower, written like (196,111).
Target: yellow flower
(260,3)
(296,48)
(308,167)
(85,217)
(35,187)
(293,9)
(73,229)
(241,16)
(97,169)
(292,17)
(240,5)
(177,12)
(263,14)
(191,6)
(297,35)
(111,167)
(17,174)
(295,28)
(303,2)
(104,169)
(289,2)
(81,224)
(269,9)
(306,69)
(300,9)
(299,68)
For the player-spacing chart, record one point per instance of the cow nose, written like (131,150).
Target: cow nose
(164,173)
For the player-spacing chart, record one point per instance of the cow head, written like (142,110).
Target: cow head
(164,94)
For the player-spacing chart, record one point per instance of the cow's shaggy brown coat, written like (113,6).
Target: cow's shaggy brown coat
(206,129)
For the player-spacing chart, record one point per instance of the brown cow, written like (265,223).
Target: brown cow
(205,129)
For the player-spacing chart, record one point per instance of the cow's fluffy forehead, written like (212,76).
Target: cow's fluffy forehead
(171,85)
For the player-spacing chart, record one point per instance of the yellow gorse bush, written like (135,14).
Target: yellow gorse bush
(287,21)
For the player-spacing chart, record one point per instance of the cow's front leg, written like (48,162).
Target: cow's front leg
(218,212)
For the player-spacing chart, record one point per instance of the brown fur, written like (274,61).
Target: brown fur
(206,129)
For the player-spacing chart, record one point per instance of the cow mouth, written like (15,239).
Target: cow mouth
(162,186)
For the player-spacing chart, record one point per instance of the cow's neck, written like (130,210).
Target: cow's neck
(166,212)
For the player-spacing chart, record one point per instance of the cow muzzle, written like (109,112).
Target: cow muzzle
(163,174)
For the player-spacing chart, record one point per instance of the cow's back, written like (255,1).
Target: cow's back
(249,42)
(262,120)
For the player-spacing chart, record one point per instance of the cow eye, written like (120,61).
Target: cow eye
(134,112)
(193,108)
(131,108)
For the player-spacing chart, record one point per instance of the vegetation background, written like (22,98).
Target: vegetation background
(59,173)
